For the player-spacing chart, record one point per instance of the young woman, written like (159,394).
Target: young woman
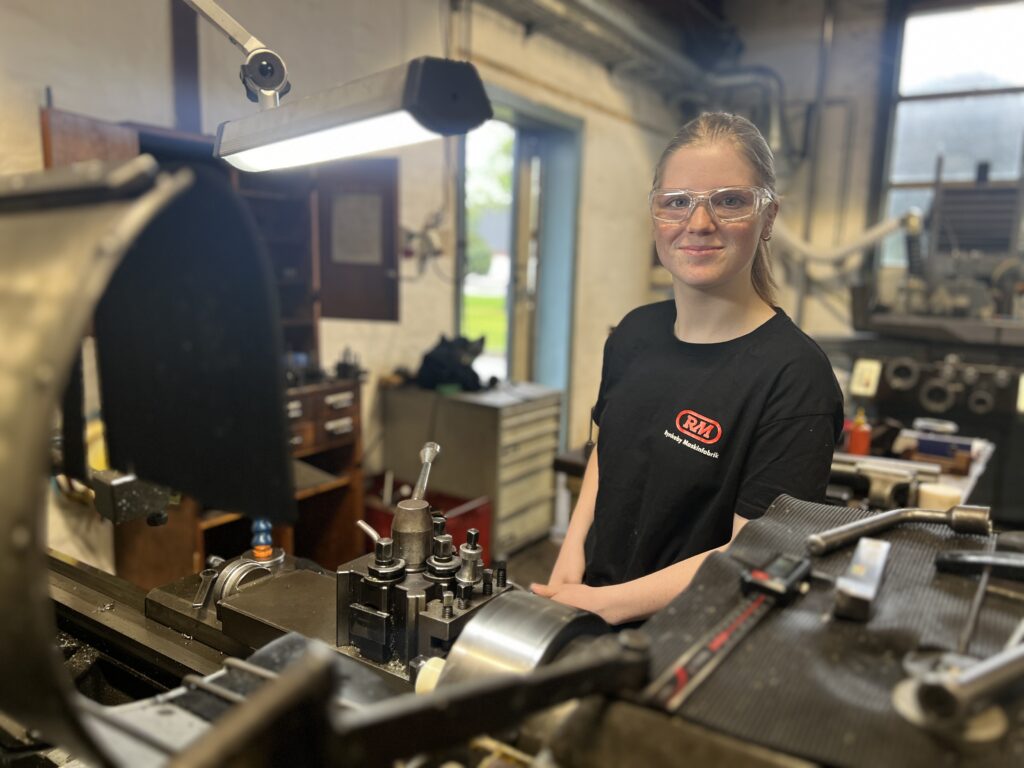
(711,404)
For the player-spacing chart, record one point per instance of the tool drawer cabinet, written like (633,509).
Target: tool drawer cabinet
(498,443)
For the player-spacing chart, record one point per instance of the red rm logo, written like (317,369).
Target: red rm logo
(699,427)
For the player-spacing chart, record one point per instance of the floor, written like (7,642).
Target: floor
(533,563)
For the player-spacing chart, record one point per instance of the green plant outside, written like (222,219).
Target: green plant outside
(486,316)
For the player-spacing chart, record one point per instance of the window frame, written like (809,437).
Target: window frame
(898,13)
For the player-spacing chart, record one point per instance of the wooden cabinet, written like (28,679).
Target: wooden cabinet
(499,443)
(358,238)
(332,237)
(326,436)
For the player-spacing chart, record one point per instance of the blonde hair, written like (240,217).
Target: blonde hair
(744,135)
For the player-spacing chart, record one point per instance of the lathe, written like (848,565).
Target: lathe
(267,659)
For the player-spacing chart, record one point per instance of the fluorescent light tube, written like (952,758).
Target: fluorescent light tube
(398,129)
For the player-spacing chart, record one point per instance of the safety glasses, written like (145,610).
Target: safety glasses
(727,204)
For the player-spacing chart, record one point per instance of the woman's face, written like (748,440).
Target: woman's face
(701,252)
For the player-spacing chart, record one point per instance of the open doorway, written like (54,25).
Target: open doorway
(486,282)
(519,201)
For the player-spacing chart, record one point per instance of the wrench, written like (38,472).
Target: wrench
(207,577)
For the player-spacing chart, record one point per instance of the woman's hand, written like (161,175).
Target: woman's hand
(636,599)
(594,599)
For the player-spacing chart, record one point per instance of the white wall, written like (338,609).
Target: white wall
(109,59)
(784,35)
(327,43)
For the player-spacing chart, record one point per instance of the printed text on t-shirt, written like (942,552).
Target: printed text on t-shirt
(692,446)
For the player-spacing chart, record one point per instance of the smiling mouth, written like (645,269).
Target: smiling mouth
(700,249)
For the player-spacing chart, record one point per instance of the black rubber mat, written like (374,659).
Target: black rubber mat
(820,688)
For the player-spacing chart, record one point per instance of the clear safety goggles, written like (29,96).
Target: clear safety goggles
(726,204)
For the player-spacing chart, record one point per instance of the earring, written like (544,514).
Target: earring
(767,236)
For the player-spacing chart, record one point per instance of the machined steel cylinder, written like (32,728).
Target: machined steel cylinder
(412,530)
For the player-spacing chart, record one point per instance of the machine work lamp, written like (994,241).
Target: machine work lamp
(423,99)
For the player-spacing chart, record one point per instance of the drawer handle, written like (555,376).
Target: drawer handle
(339,400)
(295,441)
(340,426)
(294,408)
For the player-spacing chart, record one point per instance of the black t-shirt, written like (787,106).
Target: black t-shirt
(693,433)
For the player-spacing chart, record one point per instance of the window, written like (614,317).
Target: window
(961,98)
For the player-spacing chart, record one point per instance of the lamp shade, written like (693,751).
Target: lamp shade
(421,100)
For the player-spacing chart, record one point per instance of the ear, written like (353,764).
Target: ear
(769,220)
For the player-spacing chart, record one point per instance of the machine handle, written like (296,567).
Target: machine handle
(428,453)
(368,529)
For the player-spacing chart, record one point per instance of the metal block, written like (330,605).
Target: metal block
(121,497)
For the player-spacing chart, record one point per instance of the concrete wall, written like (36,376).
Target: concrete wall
(785,35)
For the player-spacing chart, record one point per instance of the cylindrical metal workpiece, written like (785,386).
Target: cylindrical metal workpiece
(412,529)
(515,632)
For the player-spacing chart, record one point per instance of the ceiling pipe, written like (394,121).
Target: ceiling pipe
(599,25)
(769,84)
(638,38)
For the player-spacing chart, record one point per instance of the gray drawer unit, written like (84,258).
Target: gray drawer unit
(500,444)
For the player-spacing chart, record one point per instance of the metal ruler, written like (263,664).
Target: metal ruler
(777,583)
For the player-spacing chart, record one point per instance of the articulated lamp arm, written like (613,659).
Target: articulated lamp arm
(263,73)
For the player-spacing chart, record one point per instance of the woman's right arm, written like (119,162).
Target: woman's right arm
(571,560)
